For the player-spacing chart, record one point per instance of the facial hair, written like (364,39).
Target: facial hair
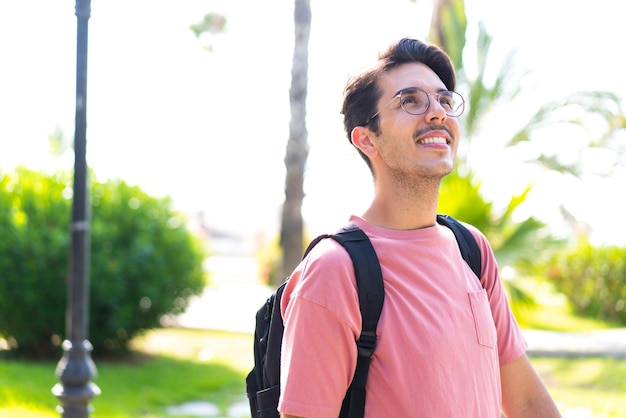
(414,179)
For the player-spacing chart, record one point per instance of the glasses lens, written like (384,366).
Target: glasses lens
(416,102)
(452,102)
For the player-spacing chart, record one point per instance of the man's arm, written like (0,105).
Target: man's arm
(523,393)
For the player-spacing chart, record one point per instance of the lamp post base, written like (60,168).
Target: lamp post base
(75,371)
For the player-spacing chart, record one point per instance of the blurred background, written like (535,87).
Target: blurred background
(188,121)
(167,114)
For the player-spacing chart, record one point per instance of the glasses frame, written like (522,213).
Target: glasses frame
(415,89)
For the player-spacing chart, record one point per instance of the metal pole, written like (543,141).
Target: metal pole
(76,368)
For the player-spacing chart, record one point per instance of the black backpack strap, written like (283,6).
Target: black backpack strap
(314,242)
(369,280)
(466,241)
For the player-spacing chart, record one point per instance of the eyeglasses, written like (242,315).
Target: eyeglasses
(416,101)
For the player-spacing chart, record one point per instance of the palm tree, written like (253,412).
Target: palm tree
(579,109)
(296,154)
(460,194)
(513,242)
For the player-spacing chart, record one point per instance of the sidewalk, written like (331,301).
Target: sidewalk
(231,301)
(235,295)
(600,343)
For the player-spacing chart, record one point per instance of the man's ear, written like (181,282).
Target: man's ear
(362,139)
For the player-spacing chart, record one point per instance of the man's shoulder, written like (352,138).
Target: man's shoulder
(327,250)
(323,264)
(478,235)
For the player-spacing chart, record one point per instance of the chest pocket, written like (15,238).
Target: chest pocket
(483,320)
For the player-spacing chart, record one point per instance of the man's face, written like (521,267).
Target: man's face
(423,145)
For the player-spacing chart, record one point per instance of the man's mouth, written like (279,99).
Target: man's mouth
(433,140)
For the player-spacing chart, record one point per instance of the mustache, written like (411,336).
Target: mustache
(424,131)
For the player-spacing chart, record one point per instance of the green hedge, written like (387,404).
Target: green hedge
(144,263)
(593,279)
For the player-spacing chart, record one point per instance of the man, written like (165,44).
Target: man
(448,346)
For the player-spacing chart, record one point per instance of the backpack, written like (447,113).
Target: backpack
(263,381)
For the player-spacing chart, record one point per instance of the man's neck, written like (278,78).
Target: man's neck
(401,209)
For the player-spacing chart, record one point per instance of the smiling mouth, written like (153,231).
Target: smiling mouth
(433,140)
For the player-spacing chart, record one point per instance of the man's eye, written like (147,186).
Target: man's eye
(410,100)
(446,100)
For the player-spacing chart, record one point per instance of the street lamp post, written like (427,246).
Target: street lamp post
(76,368)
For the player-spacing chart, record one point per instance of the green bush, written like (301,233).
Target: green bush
(144,263)
(593,279)
(34,251)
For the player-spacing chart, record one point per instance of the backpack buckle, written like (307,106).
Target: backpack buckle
(366,343)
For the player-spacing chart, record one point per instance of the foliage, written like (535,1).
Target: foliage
(460,197)
(269,258)
(447,28)
(598,115)
(211,25)
(553,312)
(595,117)
(513,241)
(484,94)
(593,279)
(34,220)
(144,262)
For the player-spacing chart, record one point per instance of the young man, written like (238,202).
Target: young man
(448,346)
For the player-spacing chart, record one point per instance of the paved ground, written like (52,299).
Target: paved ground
(231,301)
(610,342)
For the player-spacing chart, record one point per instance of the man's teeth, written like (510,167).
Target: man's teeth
(433,140)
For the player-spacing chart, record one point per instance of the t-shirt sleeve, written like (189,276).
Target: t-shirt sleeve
(321,316)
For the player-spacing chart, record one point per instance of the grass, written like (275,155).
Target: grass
(174,366)
(552,311)
(595,384)
(557,317)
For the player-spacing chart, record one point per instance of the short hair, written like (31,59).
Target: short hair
(362,91)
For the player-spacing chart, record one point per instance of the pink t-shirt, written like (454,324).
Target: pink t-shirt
(441,335)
